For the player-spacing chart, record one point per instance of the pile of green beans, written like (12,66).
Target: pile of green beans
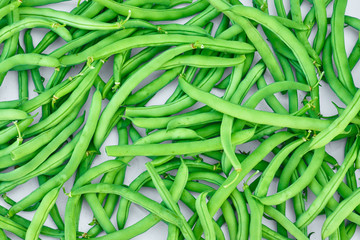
(218,108)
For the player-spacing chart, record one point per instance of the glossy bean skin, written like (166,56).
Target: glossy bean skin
(154,14)
(249,114)
(135,197)
(69,19)
(76,97)
(256,212)
(42,139)
(337,40)
(338,216)
(129,85)
(301,35)
(270,171)
(354,55)
(213,76)
(340,90)
(10,30)
(31,3)
(177,148)
(277,216)
(4,10)
(155,40)
(327,134)
(39,158)
(28,61)
(11,44)
(321,19)
(202,61)
(12,114)
(227,121)
(204,216)
(35,73)
(41,214)
(299,184)
(235,178)
(289,40)
(325,195)
(169,202)
(73,163)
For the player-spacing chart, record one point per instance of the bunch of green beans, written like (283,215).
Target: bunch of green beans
(218,108)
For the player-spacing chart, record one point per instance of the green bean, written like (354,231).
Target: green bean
(289,75)
(338,45)
(338,125)
(73,84)
(268,174)
(12,114)
(155,40)
(32,22)
(135,197)
(41,99)
(288,38)
(73,163)
(76,21)
(33,3)
(78,42)
(321,19)
(3,3)
(139,181)
(35,74)
(235,177)
(273,88)
(11,226)
(28,61)
(44,153)
(229,159)
(350,230)
(339,215)
(129,85)
(71,102)
(10,7)
(277,216)
(177,148)
(54,212)
(250,115)
(300,183)
(256,212)
(354,55)
(10,45)
(99,213)
(271,100)
(41,214)
(319,203)
(296,16)
(86,177)
(201,61)
(339,89)
(154,14)
(194,120)
(269,234)
(11,202)
(25,223)
(204,216)
(180,104)
(43,138)
(226,208)
(10,132)
(169,202)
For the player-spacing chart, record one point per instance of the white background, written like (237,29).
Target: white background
(9,91)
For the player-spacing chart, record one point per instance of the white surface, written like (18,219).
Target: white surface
(8,91)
